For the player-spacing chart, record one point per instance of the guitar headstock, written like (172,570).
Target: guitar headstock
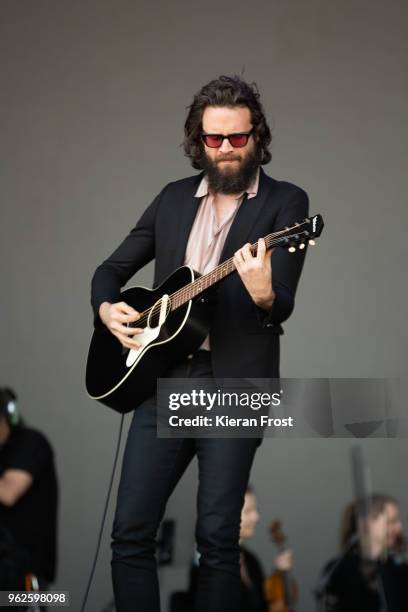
(314,225)
(300,234)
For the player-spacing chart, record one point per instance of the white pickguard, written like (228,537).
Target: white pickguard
(149,334)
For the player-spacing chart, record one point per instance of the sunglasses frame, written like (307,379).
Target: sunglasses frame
(228,137)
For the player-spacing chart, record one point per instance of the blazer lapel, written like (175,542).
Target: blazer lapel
(244,220)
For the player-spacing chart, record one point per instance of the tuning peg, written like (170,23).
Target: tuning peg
(301,246)
(312,242)
(292,249)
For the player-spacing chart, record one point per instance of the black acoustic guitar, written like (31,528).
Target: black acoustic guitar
(175,319)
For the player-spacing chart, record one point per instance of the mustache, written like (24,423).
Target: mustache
(229,158)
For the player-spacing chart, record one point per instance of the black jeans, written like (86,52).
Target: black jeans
(151,469)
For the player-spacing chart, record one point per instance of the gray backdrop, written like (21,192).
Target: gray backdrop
(93,98)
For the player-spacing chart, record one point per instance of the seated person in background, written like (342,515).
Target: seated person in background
(252,575)
(354,584)
(256,595)
(28,502)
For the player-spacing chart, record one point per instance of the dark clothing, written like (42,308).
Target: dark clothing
(31,521)
(151,469)
(253,595)
(355,587)
(162,233)
(244,342)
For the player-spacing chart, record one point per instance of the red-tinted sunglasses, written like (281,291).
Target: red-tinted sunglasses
(214,141)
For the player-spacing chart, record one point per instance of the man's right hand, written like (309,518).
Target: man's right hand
(115,317)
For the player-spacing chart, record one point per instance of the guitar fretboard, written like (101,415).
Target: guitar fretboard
(297,234)
(190,291)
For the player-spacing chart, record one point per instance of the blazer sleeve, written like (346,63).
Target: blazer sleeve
(136,250)
(286,267)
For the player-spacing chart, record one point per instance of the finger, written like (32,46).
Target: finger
(246,252)
(132,331)
(129,346)
(127,342)
(125,318)
(123,307)
(238,257)
(268,255)
(124,329)
(238,265)
(260,253)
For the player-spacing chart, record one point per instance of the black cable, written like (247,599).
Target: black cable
(91,575)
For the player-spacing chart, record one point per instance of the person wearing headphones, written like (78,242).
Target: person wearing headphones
(28,502)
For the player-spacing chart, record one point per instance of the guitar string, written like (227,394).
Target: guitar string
(270,241)
(205,281)
(202,283)
(226,267)
(179,297)
(186,293)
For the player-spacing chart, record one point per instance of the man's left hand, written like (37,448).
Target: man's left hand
(256,273)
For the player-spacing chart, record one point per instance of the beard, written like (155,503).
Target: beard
(229,180)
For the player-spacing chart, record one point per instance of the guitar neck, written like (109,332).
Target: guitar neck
(193,289)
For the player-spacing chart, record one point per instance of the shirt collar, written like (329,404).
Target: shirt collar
(252,190)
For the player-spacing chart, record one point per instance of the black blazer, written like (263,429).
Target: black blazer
(244,338)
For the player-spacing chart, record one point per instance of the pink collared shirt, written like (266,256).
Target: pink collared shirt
(207,236)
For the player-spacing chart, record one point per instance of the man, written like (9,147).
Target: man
(28,502)
(201,221)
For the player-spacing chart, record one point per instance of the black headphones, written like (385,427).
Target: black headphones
(8,406)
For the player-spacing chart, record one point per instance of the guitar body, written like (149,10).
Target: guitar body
(175,322)
(123,379)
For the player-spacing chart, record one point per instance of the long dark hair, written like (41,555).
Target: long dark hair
(349,524)
(225,91)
